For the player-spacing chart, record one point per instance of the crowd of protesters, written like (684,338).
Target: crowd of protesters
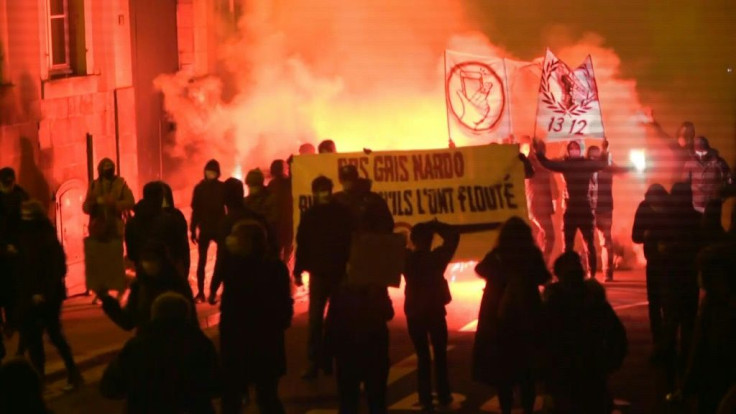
(567,338)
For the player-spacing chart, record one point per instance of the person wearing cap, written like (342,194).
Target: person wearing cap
(169,366)
(157,275)
(11,198)
(41,290)
(280,189)
(208,211)
(323,248)
(256,310)
(578,173)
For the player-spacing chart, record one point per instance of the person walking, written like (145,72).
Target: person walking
(506,344)
(208,211)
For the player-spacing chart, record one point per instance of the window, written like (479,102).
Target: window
(67,50)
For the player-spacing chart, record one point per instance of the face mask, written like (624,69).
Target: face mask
(210,175)
(574,153)
(108,173)
(322,197)
(151,268)
(26,216)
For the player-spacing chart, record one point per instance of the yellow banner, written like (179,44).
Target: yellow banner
(474,187)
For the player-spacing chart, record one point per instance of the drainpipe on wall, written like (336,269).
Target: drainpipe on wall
(90,159)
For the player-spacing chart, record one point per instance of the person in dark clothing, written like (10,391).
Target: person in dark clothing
(506,342)
(368,209)
(157,275)
(706,172)
(280,189)
(680,288)
(21,390)
(426,295)
(712,368)
(208,211)
(650,229)
(327,147)
(261,201)
(584,340)
(41,290)
(179,247)
(236,211)
(578,173)
(155,218)
(323,248)
(11,198)
(358,336)
(542,192)
(713,231)
(256,310)
(601,187)
(170,366)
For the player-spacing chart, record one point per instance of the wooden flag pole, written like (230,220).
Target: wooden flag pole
(451,143)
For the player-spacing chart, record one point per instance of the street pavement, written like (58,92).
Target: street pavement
(95,340)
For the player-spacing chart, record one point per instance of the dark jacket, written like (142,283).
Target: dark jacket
(236,212)
(602,188)
(584,343)
(280,190)
(650,228)
(706,176)
(577,173)
(208,207)
(41,263)
(179,242)
(427,291)
(256,310)
(357,318)
(369,210)
(323,241)
(10,216)
(506,342)
(143,291)
(169,367)
(681,245)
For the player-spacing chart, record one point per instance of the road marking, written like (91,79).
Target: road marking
(411,403)
(494,406)
(631,305)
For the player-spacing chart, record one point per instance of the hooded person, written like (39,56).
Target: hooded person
(256,309)
(179,242)
(170,366)
(208,211)
(369,211)
(578,173)
(107,200)
(157,275)
(41,290)
(584,340)
(323,249)
(280,189)
(680,292)
(259,199)
(21,390)
(236,211)
(706,172)
(11,198)
(650,229)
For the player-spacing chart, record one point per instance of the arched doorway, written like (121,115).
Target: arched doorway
(71,227)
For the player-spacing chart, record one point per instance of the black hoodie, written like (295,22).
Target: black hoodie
(208,205)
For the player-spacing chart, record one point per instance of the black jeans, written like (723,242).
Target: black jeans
(423,330)
(202,246)
(655,276)
(366,363)
(267,397)
(36,320)
(320,290)
(585,222)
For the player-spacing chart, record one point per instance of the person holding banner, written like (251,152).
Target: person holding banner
(542,193)
(426,295)
(323,248)
(578,172)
